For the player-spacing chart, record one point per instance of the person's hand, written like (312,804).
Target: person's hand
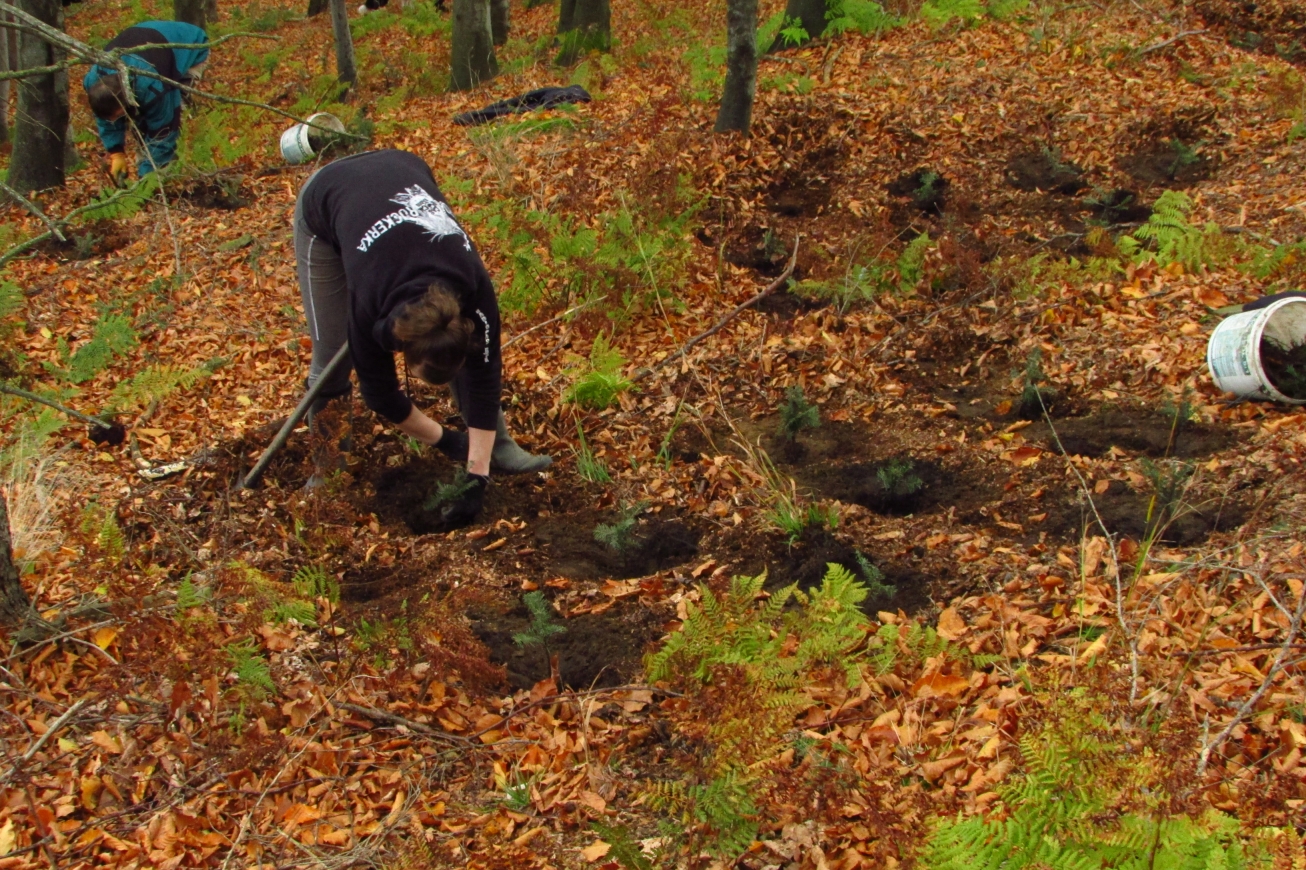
(118,168)
(453,445)
(466,506)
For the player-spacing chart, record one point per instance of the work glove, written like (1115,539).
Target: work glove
(462,510)
(118,168)
(453,445)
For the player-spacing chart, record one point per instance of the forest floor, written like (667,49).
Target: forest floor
(281,678)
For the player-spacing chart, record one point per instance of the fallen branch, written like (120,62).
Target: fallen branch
(33,397)
(519,336)
(689,345)
(30,206)
(1169,42)
(395,719)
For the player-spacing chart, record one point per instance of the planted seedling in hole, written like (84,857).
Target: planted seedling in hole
(797,414)
(1168,480)
(897,479)
(1034,397)
(874,578)
(619,536)
(542,625)
(447,493)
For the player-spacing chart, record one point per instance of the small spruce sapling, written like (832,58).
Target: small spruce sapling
(1035,398)
(447,493)
(797,414)
(619,536)
(873,578)
(542,625)
(897,478)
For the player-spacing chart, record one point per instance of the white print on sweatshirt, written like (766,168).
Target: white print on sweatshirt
(420,208)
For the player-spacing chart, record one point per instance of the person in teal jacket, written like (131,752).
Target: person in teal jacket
(156,117)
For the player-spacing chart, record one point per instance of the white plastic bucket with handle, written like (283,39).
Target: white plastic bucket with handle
(300,143)
(1234,352)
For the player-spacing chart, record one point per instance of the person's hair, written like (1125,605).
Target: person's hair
(433,335)
(107,96)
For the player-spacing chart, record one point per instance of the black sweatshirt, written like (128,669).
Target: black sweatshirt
(396,234)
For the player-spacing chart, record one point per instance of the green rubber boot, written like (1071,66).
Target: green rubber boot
(509,458)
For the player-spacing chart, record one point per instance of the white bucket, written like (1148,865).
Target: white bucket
(1234,352)
(300,143)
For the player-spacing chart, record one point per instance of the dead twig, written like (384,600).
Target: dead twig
(689,345)
(40,741)
(1166,43)
(575,308)
(1289,643)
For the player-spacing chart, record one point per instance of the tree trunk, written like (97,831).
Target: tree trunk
(741,67)
(345,68)
(5,35)
(14,603)
(473,45)
(583,25)
(211,10)
(191,11)
(41,122)
(316,7)
(810,14)
(499,24)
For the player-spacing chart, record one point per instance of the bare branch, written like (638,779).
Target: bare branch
(30,206)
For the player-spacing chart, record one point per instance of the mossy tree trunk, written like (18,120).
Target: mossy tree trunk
(15,606)
(346,69)
(736,111)
(583,25)
(41,122)
(472,47)
(500,22)
(809,13)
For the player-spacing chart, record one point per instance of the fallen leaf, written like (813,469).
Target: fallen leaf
(590,853)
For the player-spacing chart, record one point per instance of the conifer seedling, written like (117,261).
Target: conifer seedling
(797,414)
(619,536)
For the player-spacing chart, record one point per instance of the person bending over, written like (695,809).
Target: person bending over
(156,117)
(384,265)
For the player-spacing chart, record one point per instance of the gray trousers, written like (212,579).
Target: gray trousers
(325,293)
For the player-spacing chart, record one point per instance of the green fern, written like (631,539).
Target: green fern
(113,336)
(622,846)
(152,385)
(118,204)
(103,525)
(302,612)
(724,805)
(598,384)
(252,672)
(937,13)
(1168,236)
(12,298)
(862,16)
(189,596)
(312,582)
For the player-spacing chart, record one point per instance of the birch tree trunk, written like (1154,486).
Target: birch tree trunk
(736,111)
(473,45)
(346,70)
(41,123)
